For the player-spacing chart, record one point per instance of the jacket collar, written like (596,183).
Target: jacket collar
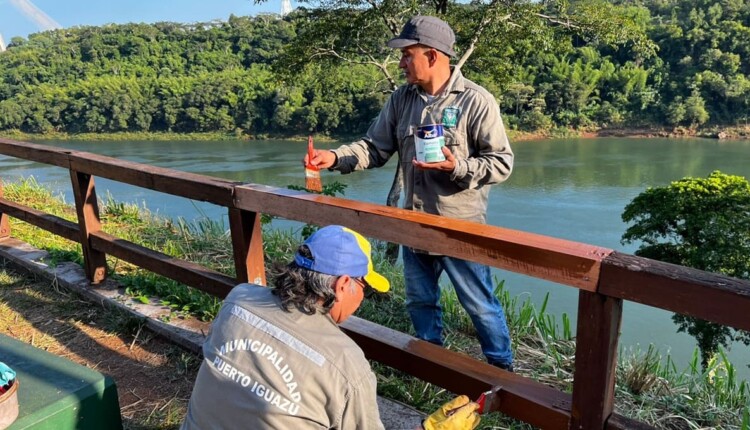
(455,84)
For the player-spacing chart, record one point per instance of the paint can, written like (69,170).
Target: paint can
(429,143)
(9,405)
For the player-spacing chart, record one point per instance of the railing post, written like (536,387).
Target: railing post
(247,246)
(87,208)
(597,335)
(4,223)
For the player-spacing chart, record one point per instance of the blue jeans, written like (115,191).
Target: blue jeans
(475,292)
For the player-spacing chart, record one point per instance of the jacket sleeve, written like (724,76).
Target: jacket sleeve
(378,145)
(361,411)
(490,159)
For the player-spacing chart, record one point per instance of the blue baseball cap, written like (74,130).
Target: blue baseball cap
(339,251)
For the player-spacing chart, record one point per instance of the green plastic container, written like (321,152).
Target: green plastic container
(56,394)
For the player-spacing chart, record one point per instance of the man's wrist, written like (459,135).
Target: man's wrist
(459,170)
(335,162)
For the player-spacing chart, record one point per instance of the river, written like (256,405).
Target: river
(572,189)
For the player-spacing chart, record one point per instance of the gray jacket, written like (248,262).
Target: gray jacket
(477,140)
(265,368)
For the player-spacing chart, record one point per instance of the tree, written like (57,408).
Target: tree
(702,223)
(355,31)
(675,111)
(695,109)
(11,115)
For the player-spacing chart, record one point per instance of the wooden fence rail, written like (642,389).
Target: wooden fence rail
(604,278)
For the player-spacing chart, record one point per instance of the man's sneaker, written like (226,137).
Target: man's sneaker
(505,366)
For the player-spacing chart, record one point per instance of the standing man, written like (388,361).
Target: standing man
(477,155)
(276,359)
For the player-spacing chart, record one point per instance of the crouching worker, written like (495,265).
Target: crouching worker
(276,359)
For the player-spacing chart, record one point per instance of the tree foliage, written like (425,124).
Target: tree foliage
(336,32)
(702,223)
(325,67)
(174,77)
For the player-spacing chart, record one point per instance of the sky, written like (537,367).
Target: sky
(23,17)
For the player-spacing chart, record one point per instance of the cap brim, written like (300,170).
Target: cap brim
(401,43)
(377,282)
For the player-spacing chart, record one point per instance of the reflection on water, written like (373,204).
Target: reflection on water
(573,189)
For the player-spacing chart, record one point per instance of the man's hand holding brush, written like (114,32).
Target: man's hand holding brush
(458,414)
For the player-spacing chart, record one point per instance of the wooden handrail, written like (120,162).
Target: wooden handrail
(43,220)
(33,152)
(605,278)
(168,181)
(566,262)
(521,398)
(183,271)
(710,296)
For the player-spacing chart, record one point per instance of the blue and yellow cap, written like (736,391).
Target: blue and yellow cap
(338,251)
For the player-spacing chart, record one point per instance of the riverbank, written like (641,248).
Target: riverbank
(721,133)
(714,132)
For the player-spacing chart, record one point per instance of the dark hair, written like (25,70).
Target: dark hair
(303,289)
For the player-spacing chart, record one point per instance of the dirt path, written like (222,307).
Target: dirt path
(154,377)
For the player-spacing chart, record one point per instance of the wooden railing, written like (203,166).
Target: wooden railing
(603,277)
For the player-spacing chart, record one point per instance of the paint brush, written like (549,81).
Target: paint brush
(481,401)
(489,400)
(312,172)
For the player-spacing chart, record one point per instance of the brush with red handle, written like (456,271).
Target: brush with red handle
(312,172)
(482,400)
(485,402)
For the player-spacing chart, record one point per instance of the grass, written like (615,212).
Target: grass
(656,391)
(650,387)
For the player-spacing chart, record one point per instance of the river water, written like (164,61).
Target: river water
(572,189)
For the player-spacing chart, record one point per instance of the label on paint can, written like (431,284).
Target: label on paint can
(429,143)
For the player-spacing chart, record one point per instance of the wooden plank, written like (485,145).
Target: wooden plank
(193,186)
(4,225)
(175,182)
(687,291)
(4,222)
(520,398)
(557,260)
(43,220)
(87,208)
(597,335)
(33,152)
(247,246)
(188,273)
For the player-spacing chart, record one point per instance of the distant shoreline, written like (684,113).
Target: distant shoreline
(721,133)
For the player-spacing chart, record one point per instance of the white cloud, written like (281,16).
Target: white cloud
(31,11)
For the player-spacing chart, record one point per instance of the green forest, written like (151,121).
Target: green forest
(583,65)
